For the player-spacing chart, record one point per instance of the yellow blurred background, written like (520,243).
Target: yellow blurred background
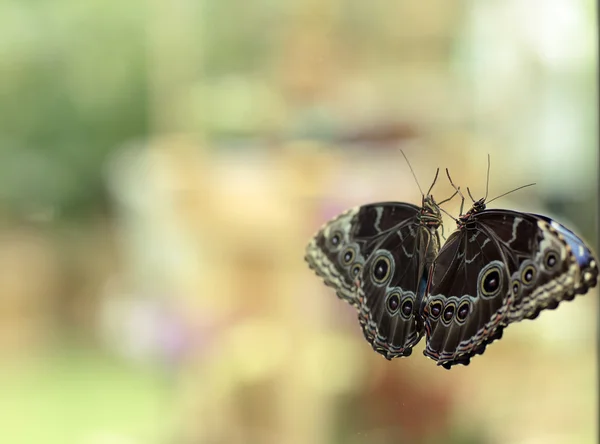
(163,165)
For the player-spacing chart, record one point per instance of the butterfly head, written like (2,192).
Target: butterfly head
(430,212)
(478,207)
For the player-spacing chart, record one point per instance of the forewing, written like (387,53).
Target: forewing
(558,265)
(337,253)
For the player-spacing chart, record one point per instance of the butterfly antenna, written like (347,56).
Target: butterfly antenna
(471,196)
(452,183)
(487,181)
(512,191)
(412,171)
(437,172)
(452,217)
(449,199)
(462,203)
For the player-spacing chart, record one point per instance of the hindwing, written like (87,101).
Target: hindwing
(391,289)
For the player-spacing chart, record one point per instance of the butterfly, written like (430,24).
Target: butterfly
(378,258)
(498,268)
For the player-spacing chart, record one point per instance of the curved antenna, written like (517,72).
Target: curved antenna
(413,172)
(452,183)
(462,203)
(434,181)
(449,199)
(512,191)
(452,217)
(471,196)
(487,181)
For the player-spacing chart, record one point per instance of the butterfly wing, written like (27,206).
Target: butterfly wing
(391,289)
(459,318)
(337,253)
(563,266)
(502,267)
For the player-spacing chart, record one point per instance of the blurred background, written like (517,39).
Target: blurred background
(163,165)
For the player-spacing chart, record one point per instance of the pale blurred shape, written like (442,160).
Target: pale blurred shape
(558,31)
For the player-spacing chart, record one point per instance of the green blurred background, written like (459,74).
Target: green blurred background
(163,164)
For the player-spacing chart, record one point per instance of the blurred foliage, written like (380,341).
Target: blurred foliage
(73,89)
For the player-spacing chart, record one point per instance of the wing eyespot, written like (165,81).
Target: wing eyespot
(551,259)
(381,267)
(348,256)
(490,280)
(435,309)
(463,311)
(335,240)
(393,302)
(516,287)
(448,314)
(528,275)
(407,308)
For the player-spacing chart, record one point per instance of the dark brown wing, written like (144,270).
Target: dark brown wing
(564,266)
(391,289)
(337,253)
(502,267)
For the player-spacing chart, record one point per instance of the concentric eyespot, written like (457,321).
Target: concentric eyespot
(381,267)
(356,269)
(348,256)
(490,279)
(335,240)
(435,309)
(463,311)
(550,259)
(393,301)
(528,274)
(516,286)
(407,308)
(449,312)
